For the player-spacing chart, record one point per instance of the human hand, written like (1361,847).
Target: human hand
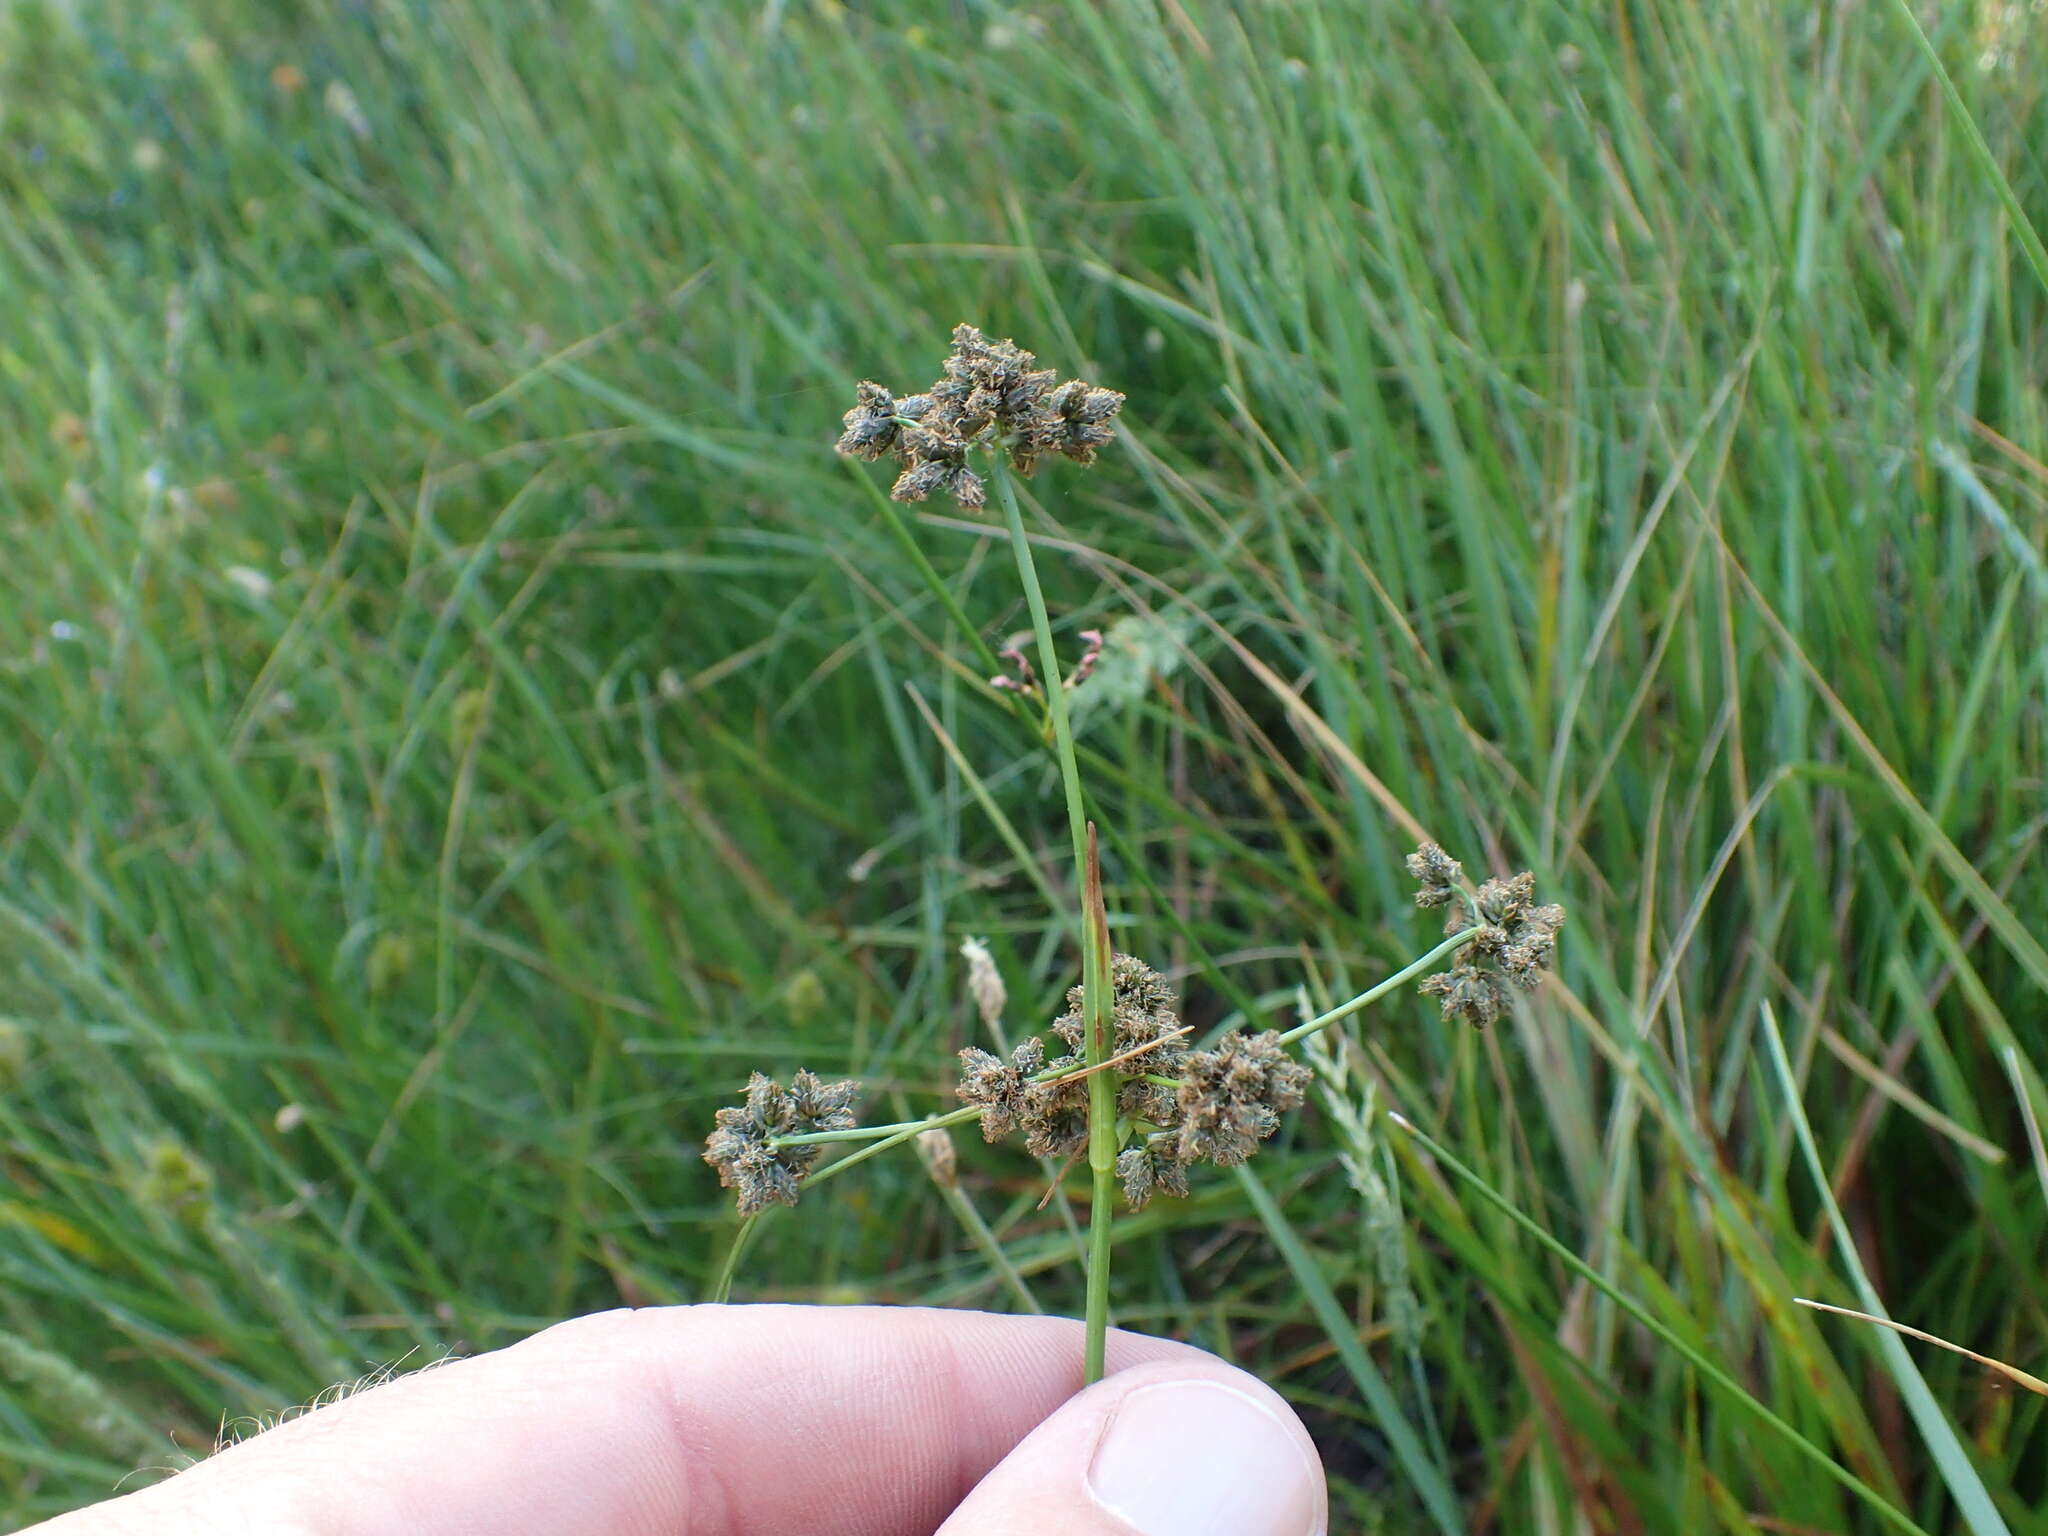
(762,1421)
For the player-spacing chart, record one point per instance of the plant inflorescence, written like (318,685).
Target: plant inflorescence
(749,1148)
(987,393)
(1115,1078)
(1511,938)
(1176,1106)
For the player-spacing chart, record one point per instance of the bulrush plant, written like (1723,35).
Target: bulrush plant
(1115,1080)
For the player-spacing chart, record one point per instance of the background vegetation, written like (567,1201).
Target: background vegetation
(460,716)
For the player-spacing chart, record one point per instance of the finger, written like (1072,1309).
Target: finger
(1185,1447)
(716,1421)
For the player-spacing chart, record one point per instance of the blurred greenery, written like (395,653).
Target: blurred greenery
(461,717)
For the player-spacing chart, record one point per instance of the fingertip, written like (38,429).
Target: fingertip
(1187,1446)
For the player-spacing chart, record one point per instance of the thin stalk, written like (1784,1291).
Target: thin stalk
(1373,994)
(1096,1002)
(938,1162)
(910,1129)
(855,1133)
(1980,151)
(954,1117)
(721,1288)
(1104,1136)
(1048,664)
(933,581)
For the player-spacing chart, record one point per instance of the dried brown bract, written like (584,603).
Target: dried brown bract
(743,1147)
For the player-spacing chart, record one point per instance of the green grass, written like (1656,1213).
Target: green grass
(460,717)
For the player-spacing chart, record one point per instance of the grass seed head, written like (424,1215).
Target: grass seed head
(985,984)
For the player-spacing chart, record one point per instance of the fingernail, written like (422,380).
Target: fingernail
(1199,1458)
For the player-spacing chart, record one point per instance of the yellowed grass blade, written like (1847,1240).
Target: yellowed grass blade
(2013,1372)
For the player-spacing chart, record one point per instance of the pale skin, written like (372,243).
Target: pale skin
(764,1420)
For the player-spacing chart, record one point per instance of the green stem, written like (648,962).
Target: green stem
(910,1129)
(856,1133)
(1048,662)
(1101,1244)
(721,1288)
(1105,1133)
(1096,1000)
(939,1164)
(1372,995)
(933,582)
(952,1117)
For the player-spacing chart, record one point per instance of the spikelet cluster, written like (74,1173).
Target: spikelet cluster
(1183,1106)
(743,1144)
(987,392)
(1513,938)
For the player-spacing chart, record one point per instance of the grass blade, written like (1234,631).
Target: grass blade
(1971,1497)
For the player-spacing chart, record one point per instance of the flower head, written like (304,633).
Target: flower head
(1143,1006)
(1469,992)
(1080,416)
(1231,1098)
(1047,1101)
(1180,1106)
(1055,1113)
(1152,1166)
(999,1086)
(988,393)
(872,427)
(1436,875)
(1513,934)
(1512,939)
(1148,1032)
(935,459)
(990,384)
(743,1146)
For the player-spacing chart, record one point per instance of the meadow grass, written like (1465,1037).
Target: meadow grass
(460,716)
